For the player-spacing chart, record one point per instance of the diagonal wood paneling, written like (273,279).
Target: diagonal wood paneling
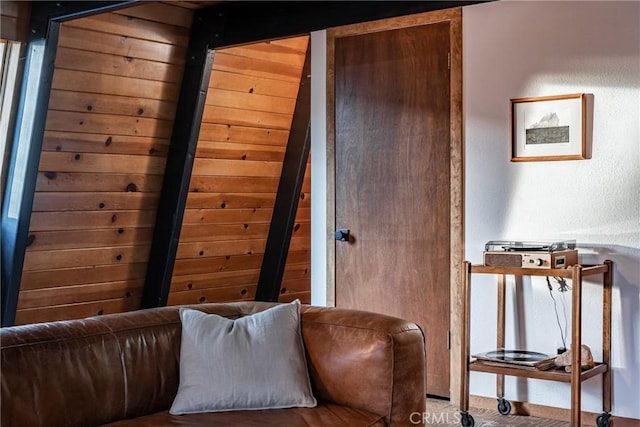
(110,117)
(243,137)
(113,101)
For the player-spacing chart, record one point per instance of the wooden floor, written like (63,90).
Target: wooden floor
(442,413)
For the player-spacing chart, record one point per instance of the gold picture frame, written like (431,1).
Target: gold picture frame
(549,128)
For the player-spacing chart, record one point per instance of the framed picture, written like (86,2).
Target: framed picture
(549,128)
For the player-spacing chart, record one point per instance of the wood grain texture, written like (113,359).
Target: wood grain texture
(14,20)
(127,47)
(110,118)
(107,182)
(236,286)
(454,17)
(115,88)
(82,81)
(234,184)
(198,280)
(104,143)
(91,220)
(223,167)
(134,23)
(234,232)
(100,163)
(250,101)
(82,275)
(223,216)
(392,120)
(67,121)
(227,61)
(231,201)
(296,43)
(117,65)
(226,80)
(77,311)
(228,293)
(62,295)
(70,239)
(222,150)
(241,147)
(212,216)
(231,134)
(237,117)
(94,201)
(271,52)
(47,260)
(65,100)
(214,232)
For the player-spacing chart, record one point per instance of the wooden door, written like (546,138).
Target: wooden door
(392,183)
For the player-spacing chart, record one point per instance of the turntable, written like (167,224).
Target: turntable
(504,253)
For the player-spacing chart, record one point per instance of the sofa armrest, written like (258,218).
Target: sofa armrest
(366,360)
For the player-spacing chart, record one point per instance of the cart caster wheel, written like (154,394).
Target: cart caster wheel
(504,407)
(603,420)
(467,420)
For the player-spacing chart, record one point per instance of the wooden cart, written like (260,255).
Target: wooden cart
(576,376)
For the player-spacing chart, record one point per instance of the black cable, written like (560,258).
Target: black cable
(563,289)
(555,308)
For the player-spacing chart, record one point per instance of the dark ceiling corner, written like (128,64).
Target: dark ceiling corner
(252,21)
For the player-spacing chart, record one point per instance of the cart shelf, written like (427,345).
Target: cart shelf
(552,375)
(587,270)
(575,273)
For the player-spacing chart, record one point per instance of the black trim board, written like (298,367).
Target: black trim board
(289,189)
(253,21)
(45,12)
(20,189)
(180,158)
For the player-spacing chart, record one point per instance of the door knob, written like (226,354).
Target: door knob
(342,235)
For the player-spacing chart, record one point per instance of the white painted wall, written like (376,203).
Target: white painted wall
(517,49)
(319,168)
(520,49)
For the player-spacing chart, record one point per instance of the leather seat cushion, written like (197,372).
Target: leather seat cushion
(324,415)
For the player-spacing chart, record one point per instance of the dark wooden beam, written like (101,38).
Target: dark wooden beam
(23,166)
(45,12)
(288,196)
(252,21)
(44,27)
(180,158)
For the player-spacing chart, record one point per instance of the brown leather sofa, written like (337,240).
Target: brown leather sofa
(122,370)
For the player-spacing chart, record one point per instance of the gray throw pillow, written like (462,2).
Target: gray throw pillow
(254,362)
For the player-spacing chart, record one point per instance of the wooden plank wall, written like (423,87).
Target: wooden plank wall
(14,20)
(249,107)
(111,111)
(115,88)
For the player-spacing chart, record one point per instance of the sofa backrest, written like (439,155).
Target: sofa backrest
(103,369)
(96,370)
(60,374)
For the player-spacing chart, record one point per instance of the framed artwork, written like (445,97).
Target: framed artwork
(549,128)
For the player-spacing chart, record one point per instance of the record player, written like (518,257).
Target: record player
(504,253)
